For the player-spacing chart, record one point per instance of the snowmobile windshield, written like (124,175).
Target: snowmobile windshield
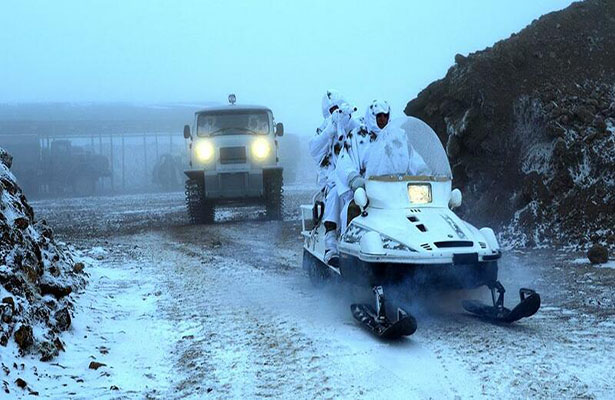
(426,142)
(408,146)
(235,122)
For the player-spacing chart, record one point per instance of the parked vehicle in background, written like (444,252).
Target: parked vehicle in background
(61,168)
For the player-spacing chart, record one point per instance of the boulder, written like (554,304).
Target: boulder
(54,288)
(24,337)
(47,351)
(63,319)
(95,365)
(598,254)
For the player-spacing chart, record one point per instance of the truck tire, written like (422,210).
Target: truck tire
(272,185)
(200,210)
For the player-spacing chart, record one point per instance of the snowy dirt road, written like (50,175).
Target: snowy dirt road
(225,311)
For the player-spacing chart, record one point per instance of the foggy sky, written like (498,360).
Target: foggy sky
(280,54)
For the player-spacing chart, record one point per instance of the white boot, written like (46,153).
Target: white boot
(331,254)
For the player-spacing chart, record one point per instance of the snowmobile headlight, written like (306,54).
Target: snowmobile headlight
(204,151)
(419,193)
(260,149)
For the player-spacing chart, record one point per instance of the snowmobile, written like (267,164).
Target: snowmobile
(407,235)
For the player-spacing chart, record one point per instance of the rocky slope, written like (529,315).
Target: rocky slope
(529,127)
(37,275)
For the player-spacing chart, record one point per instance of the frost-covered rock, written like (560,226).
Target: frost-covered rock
(37,274)
(598,254)
(529,127)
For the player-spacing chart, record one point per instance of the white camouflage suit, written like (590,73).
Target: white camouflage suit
(325,146)
(361,156)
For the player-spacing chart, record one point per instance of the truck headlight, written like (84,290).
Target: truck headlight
(260,149)
(204,151)
(419,193)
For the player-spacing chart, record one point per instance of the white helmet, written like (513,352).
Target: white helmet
(331,99)
(377,107)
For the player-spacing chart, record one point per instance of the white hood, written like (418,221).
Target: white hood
(377,107)
(331,98)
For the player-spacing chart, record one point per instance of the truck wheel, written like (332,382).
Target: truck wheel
(272,185)
(200,210)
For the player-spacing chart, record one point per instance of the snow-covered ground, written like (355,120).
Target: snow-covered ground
(225,311)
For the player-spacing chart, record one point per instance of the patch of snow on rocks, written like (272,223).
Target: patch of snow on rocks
(38,277)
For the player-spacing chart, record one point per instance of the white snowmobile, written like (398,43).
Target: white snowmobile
(406,234)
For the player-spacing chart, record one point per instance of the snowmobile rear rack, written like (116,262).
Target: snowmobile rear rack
(378,323)
(528,305)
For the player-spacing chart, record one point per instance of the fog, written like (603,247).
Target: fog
(283,55)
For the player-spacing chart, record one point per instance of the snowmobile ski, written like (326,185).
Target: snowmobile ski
(377,322)
(528,306)
(384,328)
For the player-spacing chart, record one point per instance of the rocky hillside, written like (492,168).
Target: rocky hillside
(529,127)
(37,275)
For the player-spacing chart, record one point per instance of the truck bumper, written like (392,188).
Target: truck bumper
(232,186)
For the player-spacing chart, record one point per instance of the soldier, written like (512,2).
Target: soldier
(354,164)
(325,147)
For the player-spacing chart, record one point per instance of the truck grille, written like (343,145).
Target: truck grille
(232,155)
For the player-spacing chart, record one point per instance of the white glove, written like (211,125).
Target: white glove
(346,108)
(330,129)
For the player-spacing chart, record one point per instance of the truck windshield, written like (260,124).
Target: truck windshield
(247,122)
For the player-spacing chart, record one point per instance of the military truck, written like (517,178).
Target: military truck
(59,169)
(233,152)
(72,169)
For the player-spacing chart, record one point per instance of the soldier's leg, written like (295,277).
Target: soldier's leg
(331,222)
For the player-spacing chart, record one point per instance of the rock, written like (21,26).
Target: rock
(63,319)
(9,300)
(554,130)
(584,114)
(55,289)
(460,59)
(58,343)
(562,182)
(599,124)
(24,337)
(452,146)
(37,273)
(48,351)
(6,158)
(598,254)
(21,222)
(95,365)
(21,383)
(6,313)
(78,267)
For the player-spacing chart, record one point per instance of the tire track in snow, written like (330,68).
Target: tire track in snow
(353,360)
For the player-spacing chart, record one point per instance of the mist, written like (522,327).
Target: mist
(280,55)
